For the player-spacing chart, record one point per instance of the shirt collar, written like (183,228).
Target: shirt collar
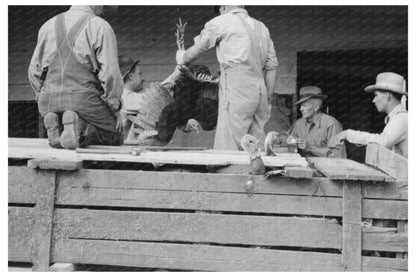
(399,108)
(316,120)
(86,9)
(239,10)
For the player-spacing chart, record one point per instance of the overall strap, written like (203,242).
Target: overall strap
(60,30)
(254,36)
(75,30)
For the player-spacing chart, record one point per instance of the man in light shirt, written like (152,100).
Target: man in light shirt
(75,80)
(248,65)
(388,92)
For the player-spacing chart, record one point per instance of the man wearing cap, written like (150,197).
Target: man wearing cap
(388,93)
(76,84)
(315,129)
(248,65)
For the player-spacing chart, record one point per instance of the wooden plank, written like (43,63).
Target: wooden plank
(20,228)
(62,267)
(19,269)
(383,264)
(94,195)
(42,230)
(192,257)
(384,209)
(351,227)
(392,242)
(402,229)
(298,172)
(197,227)
(23,149)
(22,188)
(345,169)
(386,160)
(55,164)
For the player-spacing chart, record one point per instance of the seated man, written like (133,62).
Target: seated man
(388,92)
(185,100)
(313,132)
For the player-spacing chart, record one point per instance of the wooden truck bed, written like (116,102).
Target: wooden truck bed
(202,221)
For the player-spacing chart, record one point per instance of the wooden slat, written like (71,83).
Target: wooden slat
(24,148)
(21,222)
(345,169)
(384,209)
(386,160)
(55,164)
(21,187)
(351,227)
(42,230)
(402,229)
(383,264)
(198,227)
(392,242)
(192,257)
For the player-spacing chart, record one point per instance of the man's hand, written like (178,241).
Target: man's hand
(119,121)
(338,139)
(179,56)
(302,144)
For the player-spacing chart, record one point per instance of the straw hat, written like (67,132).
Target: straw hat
(126,64)
(310,92)
(389,81)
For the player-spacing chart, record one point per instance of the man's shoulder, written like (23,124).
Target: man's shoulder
(328,119)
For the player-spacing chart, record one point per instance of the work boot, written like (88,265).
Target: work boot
(73,128)
(53,128)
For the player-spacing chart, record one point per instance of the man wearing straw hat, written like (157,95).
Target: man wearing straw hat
(315,129)
(389,91)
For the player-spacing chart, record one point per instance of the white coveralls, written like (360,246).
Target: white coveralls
(244,50)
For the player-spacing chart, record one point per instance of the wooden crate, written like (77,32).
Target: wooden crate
(203,221)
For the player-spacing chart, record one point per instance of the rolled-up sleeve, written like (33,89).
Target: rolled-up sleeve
(36,71)
(271,60)
(109,72)
(208,37)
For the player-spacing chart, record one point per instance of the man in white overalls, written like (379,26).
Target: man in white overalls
(248,64)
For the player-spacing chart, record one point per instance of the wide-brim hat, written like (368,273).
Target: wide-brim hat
(306,93)
(126,64)
(389,81)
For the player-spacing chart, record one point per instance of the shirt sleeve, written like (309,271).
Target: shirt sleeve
(271,60)
(208,37)
(391,135)
(36,72)
(109,72)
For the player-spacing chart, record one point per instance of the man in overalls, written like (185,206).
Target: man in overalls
(248,64)
(76,80)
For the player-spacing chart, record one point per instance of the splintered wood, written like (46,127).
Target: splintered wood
(39,149)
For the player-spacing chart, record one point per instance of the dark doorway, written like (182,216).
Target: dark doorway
(343,75)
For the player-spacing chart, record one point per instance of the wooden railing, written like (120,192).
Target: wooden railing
(201,221)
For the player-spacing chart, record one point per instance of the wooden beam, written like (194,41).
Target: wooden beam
(386,160)
(192,256)
(402,228)
(194,227)
(42,230)
(351,227)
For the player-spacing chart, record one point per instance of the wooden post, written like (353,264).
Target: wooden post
(402,228)
(351,226)
(42,232)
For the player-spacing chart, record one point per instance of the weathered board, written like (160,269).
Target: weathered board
(38,148)
(21,223)
(345,169)
(384,159)
(197,227)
